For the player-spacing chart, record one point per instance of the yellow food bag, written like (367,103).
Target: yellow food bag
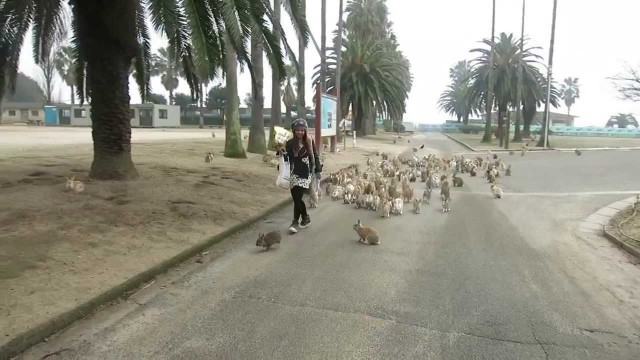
(282,135)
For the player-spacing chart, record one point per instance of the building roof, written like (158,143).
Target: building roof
(21,105)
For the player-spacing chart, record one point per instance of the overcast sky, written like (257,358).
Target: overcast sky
(594,40)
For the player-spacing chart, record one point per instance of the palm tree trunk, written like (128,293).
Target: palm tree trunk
(108,79)
(276,110)
(73,95)
(544,139)
(501,110)
(233,140)
(300,73)
(527,116)
(487,127)
(257,142)
(465,119)
(170,97)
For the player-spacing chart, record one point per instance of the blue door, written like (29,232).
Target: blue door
(50,115)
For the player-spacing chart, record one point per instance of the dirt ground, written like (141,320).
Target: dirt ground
(59,249)
(565,142)
(630,227)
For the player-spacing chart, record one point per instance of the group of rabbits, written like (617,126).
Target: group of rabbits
(386,185)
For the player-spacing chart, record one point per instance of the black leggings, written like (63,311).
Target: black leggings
(299,208)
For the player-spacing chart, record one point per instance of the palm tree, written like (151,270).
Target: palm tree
(109,36)
(375,76)
(66,68)
(622,121)
(534,95)
(506,61)
(165,65)
(570,91)
(456,99)
(374,80)
(257,142)
(289,96)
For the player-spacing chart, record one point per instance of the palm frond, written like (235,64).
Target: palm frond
(79,59)
(142,60)
(206,46)
(48,27)
(15,17)
(167,17)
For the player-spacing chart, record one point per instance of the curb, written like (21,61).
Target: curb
(598,222)
(459,142)
(49,327)
(616,241)
(469,147)
(492,150)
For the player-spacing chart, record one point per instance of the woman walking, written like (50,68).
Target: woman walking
(305,164)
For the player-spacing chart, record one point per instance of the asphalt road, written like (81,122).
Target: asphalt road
(492,279)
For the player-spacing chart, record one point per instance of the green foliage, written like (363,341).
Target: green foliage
(158,99)
(195,30)
(183,100)
(217,98)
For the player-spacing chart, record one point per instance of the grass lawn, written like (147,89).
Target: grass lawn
(630,227)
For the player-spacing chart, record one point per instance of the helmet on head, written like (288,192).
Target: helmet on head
(299,123)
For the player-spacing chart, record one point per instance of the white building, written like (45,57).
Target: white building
(142,115)
(21,112)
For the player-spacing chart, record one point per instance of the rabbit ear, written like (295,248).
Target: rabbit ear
(73,178)
(358,221)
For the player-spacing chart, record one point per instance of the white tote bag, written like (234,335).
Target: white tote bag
(284,175)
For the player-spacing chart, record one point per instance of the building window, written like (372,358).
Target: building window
(35,112)
(162,113)
(66,113)
(79,113)
(12,113)
(132,113)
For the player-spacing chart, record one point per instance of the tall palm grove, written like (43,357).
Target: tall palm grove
(375,76)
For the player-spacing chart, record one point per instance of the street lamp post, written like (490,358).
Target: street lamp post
(338,80)
(547,109)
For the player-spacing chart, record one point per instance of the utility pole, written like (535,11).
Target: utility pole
(338,87)
(323,74)
(489,105)
(547,110)
(517,136)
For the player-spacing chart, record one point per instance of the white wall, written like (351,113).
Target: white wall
(173,116)
(33,114)
(81,121)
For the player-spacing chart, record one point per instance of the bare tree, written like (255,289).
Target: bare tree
(628,84)
(48,67)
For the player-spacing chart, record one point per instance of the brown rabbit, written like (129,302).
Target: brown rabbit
(367,235)
(269,239)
